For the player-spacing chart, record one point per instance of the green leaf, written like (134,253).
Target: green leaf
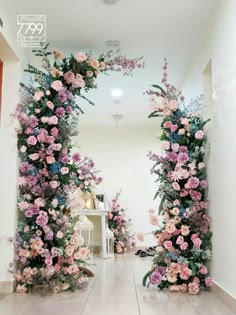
(145,278)
(159,88)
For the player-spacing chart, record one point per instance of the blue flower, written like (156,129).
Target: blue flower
(182,211)
(172,256)
(61,200)
(174,137)
(55,167)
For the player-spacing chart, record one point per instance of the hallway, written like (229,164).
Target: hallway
(115,290)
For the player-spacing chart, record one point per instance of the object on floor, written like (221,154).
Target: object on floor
(110,243)
(85,229)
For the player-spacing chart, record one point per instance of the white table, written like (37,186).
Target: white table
(98,212)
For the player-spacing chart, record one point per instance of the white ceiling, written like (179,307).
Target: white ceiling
(152,28)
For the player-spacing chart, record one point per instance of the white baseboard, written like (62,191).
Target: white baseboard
(225,297)
(7,286)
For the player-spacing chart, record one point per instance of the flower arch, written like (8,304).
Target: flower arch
(48,251)
(184,237)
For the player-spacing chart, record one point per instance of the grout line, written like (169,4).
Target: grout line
(90,292)
(135,289)
(193,306)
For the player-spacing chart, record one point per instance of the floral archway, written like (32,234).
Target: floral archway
(48,250)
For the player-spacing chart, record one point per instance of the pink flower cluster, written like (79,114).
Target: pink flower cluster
(119,224)
(184,245)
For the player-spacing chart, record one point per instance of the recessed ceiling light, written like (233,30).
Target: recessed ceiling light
(116,92)
(110,2)
(112,43)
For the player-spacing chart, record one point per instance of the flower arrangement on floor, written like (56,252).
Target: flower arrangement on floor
(119,224)
(184,239)
(48,250)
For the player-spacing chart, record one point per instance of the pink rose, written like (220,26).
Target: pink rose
(175,147)
(199,134)
(94,63)
(38,95)
(54,203)
(194,236)
(181,131)
(44,120)
(69,77)
(32,140)
(81,56)
(53,120)
(54,131)
(102,65)
(28,130)
(47,92)
(176,202)
(89,74)
(175,186)
(168,244)
(60,234)
(197,242)
(208,281)
(165,145)
(50,105)
(174,128)
(140,236)
(56,146)
(203,270)
(173,105)
(201,165)
(185,121)
(167,124)
(48,261)
(64,170)
(50,139)
(184,246)
(180,240)
(50,159)
(57,54)
(34,156)
(153,220)
(53,184)
(78,83)
(57,85)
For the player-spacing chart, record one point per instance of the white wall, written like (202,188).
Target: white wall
(219,45)
(121,155)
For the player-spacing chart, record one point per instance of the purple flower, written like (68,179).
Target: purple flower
(28,213)
(62,95)
(76,157)
(60,112)
(31,180)
(172,156)
(183,149)
(193,182)
(25,167)
(42,218)
(34,209)
(183,157)
(155,278)
(65,159)
(204,184)
(69,109)
(161,270)
(195,195)
(32,121)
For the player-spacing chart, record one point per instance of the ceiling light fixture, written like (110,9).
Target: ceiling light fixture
(117,118)
(116,93)
(112,43)
(110,2)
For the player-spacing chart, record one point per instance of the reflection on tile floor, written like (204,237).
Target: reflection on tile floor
(116,290)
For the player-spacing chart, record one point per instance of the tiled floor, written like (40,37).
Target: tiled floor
(116,290)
